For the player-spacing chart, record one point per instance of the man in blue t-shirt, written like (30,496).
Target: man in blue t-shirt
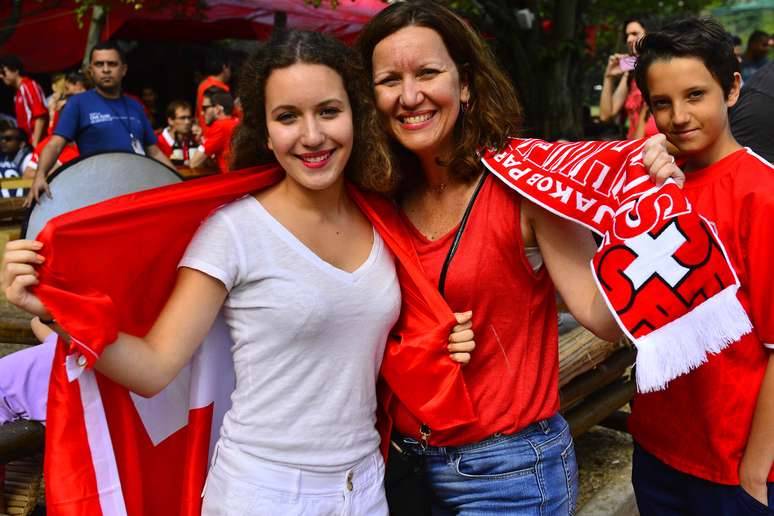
(99,120)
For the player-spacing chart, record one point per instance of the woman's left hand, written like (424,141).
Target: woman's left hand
(660,164)
(461,343)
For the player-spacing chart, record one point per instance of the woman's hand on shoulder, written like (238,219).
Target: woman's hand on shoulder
(659,162)
(20,260)
(461,343)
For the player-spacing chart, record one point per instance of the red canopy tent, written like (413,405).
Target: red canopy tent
(45,34)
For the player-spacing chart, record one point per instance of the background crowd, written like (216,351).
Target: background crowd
(466,91)
(192,127)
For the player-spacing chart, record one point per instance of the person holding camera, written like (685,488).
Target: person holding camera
(625,97)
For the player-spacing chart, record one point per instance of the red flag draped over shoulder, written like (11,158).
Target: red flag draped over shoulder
(110,267)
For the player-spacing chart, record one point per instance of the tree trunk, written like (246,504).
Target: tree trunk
(560,111)
(98,17)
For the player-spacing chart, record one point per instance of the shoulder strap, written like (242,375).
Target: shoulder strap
(458,235)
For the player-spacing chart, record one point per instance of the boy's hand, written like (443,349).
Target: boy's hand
(754,484)
(660,164)
(461,342)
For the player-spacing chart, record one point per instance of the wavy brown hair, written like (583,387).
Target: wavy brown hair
(493,113)
(370,166)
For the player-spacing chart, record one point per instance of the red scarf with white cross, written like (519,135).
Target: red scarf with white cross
(661,267)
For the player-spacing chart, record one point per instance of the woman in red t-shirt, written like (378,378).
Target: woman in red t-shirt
(442,97)
(626,96)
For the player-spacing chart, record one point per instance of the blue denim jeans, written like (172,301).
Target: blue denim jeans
(664,491)
(529,473)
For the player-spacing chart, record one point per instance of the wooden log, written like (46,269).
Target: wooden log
(580,351)
(13,208)
(599,405)
(22,485)
(193,173)
(16,331)
(603,374)
(19,439)
(618,420)
(18,182)
(2,492)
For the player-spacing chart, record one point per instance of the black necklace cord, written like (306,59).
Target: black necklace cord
(458,235)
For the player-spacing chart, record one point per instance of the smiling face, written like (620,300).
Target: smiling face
(689,106)
(633,32)
(418,90)
(309,129)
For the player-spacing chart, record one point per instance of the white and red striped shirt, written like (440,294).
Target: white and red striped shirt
(30,104)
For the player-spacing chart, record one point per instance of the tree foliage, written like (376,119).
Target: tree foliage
(550,61)
(84,8)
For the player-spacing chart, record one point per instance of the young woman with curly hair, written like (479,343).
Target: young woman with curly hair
(307,287)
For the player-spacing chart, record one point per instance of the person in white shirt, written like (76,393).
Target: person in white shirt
(307,288)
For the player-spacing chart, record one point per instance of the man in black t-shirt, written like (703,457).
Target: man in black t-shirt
(752,118)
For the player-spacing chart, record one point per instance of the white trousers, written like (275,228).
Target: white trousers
(272,489)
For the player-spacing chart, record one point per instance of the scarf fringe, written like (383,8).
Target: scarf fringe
(683,344)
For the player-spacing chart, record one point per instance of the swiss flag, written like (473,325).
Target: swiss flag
(110,267)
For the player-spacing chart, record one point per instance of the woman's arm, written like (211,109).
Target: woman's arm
(567,250)
(144,365)
(612,99)
(147,365)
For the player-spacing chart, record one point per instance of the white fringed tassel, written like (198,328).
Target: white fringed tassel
(683,344)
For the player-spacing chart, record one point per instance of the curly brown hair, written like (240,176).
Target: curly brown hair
(371,164)
(493,113)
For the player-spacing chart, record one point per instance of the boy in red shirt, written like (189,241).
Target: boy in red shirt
(31,108)
(705,444)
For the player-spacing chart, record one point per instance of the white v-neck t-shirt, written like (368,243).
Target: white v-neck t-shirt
(308,339)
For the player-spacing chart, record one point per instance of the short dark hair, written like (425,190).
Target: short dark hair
(108,45)
(647,22)
(12,62)
(173,106)
(702,38)
(20,135)
(75,78)
(215,61)
(756,36)
(211,92)
(224,99)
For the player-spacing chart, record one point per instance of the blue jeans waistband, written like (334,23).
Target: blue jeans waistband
(411,446)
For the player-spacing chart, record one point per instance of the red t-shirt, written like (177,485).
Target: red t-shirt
(217,142)
(69,153)
(513,377)
(700,423)
(633,105)
(206,84)
(30,104)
